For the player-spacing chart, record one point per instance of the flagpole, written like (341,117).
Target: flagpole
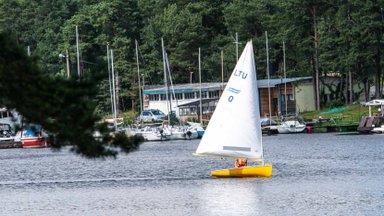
(269,89)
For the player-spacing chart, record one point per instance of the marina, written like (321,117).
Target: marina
(185,125)
(314,174)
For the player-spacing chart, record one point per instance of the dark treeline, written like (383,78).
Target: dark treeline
(342,37)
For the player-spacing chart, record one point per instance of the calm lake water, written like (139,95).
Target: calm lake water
(314,174)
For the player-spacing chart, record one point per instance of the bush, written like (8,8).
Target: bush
(129,117)
(334,104)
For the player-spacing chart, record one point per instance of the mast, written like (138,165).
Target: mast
(165,78)
(114,89)
(285,81)
(143,89)
(78,52)
(138,76)
(110,79)
(201,104)
(237,46)
(222,70)
(67,62)
(170,80)
(269,89)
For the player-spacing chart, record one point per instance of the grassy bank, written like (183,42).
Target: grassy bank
(346,114)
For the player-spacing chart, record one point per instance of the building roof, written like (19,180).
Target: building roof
(197,102)
(275,82)
(193,87)
(182,88)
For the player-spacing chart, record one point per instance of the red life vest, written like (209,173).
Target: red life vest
(241,163)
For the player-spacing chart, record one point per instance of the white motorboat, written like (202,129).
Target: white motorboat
(378,129)
(291,127)
(195,126)
(153,134)
(180,132)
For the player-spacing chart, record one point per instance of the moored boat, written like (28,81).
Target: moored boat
(180,132)
(195,126)
(291,127)
(152,134)
(30,138)
(34,142)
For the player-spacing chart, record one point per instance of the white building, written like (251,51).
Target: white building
(10,117)
(185,98)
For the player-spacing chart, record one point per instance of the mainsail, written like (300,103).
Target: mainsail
(234,129)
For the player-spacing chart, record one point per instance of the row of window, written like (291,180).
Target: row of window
(196,95)
(195,110)
(185,96)
(5,114)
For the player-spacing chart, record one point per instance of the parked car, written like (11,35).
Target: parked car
(151,115)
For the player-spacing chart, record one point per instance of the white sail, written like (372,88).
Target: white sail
(234,129)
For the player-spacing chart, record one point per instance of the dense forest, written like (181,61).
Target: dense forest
(341,38)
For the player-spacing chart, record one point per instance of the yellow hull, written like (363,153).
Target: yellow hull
(252,171)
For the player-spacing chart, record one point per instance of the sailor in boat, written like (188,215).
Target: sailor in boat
(240,163)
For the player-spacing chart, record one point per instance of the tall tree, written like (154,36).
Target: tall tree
(64,107)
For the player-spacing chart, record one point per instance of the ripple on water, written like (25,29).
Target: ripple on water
(313,174)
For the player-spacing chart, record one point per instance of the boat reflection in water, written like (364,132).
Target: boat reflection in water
(230,196)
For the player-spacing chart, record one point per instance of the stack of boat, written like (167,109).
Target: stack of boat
(166,132)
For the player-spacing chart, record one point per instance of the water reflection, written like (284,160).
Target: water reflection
(230,197)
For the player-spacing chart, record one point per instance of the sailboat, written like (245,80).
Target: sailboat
(173,132)
(234,130)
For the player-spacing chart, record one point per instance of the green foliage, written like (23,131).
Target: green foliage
(129,117)
(334,104)
(349,37)
(64,107)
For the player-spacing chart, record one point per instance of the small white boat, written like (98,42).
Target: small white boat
(180,132)
(379,130)
(195,126)
(291,127)
(153,134)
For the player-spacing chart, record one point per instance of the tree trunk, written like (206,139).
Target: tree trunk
(341,90)
(316,60)
(366,89)
(378,75)
(350,87)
